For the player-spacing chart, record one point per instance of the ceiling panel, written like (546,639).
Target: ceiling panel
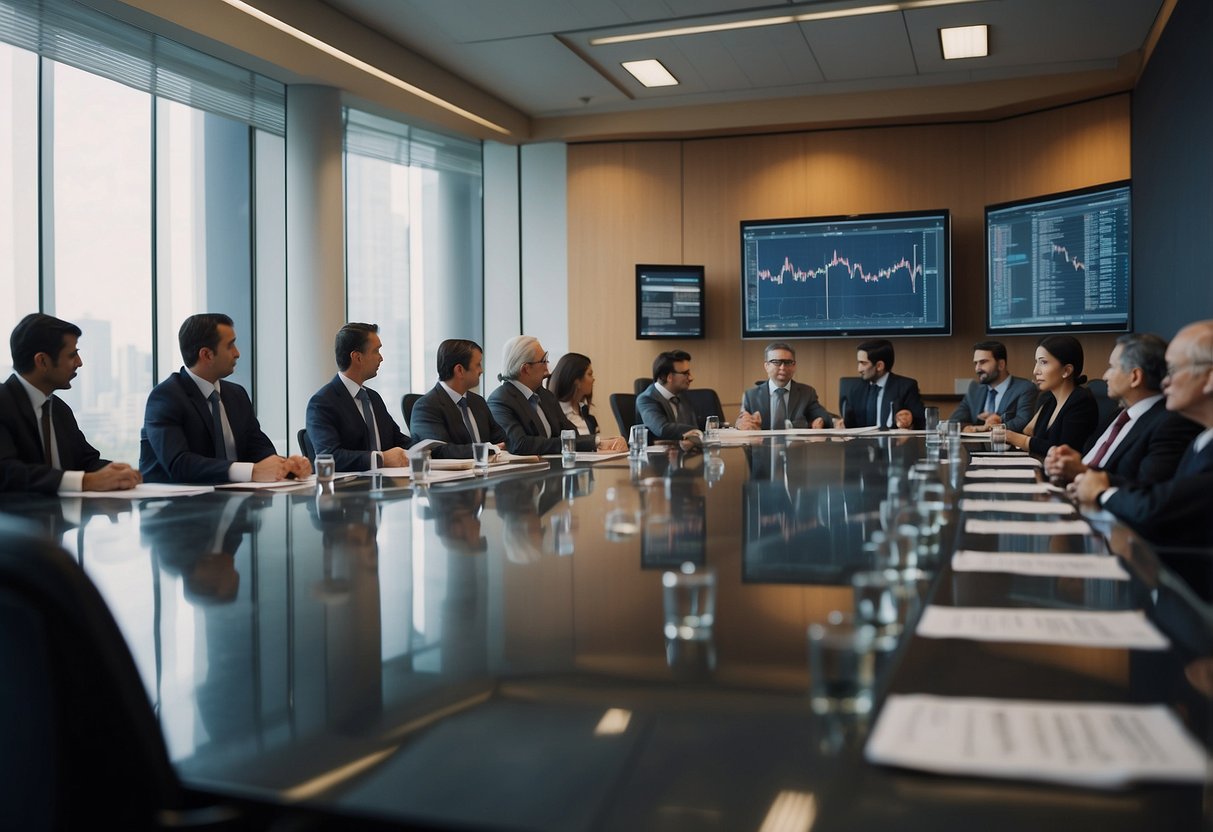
(776,58)
(872,46)
(537,74)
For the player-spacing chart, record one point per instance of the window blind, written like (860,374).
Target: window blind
(403,144)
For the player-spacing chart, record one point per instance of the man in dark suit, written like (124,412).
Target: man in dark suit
(451,413)
(1174,512)
(347,419)
(41,445)
(880,397)
(1144,441)
(664,406)
(529,414)
(779,399)
(196,430)
(996,397)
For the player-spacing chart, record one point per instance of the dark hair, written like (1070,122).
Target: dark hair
(198,331)
(1147,352)
(880,349)
(352,337)
(664,363)
(778,345)
(38,333)
(997,348)
(455,352)
(568,371)
(1067,350)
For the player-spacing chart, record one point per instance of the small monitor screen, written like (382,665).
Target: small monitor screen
(857,275)
(1060,262)
(669,302)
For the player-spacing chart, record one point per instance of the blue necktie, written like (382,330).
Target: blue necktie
(467,418)
(221,449)
(372,441)
(990,395)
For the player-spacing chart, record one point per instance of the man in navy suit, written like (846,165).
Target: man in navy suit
(880,397)
(996,397)
(349,420)
(197,430)
(779,399)
(664,406)
(1174,512)
(1144,442)
(451,413)
(41,446)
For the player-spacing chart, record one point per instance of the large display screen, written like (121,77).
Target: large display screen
(1060,262)
(857,275)
(669,302)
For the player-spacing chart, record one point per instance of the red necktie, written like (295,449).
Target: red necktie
(1120,422)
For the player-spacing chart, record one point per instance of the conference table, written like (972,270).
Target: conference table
(491,652)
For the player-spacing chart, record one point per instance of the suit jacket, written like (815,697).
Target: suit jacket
(336,426)
(21,442)
(435,416)
(1074,423)
(1152,449)
(660,418)
(900,393)
(803,405)
(1015,407)
(523,430)
(177,443)
(1175,512)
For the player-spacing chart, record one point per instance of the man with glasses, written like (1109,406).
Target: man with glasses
(1174,512)
(773,403)
(529,414)
(664,406)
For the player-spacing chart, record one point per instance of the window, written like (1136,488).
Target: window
(18,187)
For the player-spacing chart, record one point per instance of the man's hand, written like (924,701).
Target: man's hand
(749,421)
(117,476)
(1088,486)
(395,458)
(990,419)
(270,469)
(818,423)
(904,419)
(299,466)
(1063,462)
(612,443)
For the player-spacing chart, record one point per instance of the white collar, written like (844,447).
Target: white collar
(204,387)
(352,386)
(36,396)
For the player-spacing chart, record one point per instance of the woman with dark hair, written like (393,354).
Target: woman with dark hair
(572,382)
(1066,412)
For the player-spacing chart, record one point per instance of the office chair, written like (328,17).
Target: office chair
(706,403)
(406,406)
(1107,407)
(623,405)
(305,445)
(640,385)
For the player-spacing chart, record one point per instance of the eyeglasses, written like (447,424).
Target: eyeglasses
(782,362)
(1173,371)
(543,360)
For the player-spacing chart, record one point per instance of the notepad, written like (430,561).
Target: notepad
(1001,473)
(1017,506)
(1045,527)
(1106,567)
(1005,462)
(1083,628)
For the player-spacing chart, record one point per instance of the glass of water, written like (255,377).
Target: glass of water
(326,468)
(998,438)
(419,466)
(568,448)
(638,440)
(841,665)
(480,457)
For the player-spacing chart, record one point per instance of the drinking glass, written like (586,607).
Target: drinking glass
(568,448)
(638,440)
(689,600)
(931,417)
(710,427)
(326,468)
(480,457)
(419,466)
(998,438)
(841,665)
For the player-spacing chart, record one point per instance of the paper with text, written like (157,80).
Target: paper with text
(1085,628)
(1035,563)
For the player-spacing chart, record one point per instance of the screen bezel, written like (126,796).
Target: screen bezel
(698,272)
(1056,326)
(921,332)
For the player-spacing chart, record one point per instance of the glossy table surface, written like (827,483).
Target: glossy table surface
(484,654)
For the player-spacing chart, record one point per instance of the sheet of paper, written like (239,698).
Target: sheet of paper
(1001,474)
(999,455)
(1106,567)
(593,456)
(1049,527)
(1085,744)
(146,490)
(269,486)
(435,476)
(1084,628)
(1000,461)
(1018,506)
(1012,488)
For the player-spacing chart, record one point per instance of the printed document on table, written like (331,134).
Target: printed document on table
(1012,488)
(1085,744)
(1048,527)
(146,490)
(1017,506)
(1001,474)
(597,456)
(1005,462)
(1035,563)
(1083,628)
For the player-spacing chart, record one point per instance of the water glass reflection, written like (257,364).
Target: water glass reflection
(689,600)
(887,599)
(623,515)
(841,665)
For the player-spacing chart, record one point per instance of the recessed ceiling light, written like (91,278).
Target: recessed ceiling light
(964,42)
(651,73)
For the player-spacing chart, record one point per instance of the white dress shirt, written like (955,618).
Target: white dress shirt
(1135,413)
(237,471)
(72,481)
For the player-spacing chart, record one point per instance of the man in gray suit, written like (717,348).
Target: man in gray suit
(663,406)
(996,397)
(772,403)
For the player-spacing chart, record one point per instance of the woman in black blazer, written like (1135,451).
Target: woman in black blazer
(1066,412)
(572,382)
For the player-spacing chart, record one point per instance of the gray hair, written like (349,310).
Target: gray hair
(516,352)
(1147,352)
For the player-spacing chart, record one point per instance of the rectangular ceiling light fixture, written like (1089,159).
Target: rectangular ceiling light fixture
(964,42)
(651,73)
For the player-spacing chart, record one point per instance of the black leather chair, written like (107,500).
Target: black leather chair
(1107,407)
(706,403)
(639,385)
(623,405)
(406,407)
(305,445)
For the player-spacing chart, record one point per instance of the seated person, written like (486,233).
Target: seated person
(663,407)
(1066,413)
(880,397)
(572,383)
(196,430)
(349,420)
(780,399)
(996,397)
(451,413)
(1145,441)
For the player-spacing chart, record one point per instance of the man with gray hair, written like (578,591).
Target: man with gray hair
(778,400)
(529,414)
(1144,442)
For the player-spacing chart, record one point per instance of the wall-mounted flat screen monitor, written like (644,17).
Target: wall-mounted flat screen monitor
(1060,262)
(669,301)
(872,274)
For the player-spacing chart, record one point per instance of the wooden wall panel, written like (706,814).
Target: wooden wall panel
(633,202)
